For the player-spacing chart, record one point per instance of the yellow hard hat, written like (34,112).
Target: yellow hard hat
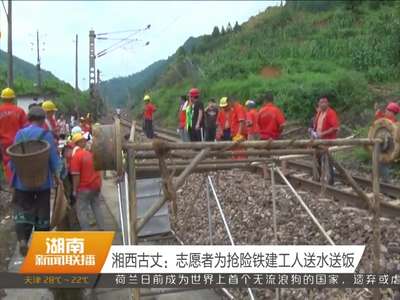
(7,94)
(49,105)
(77,137)
(223,102)
(147,98)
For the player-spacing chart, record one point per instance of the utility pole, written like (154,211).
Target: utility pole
(76,62)
(97,89)
(10,74)
(39,75)
(92,62)
(92,70)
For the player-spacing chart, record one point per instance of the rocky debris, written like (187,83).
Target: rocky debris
(246,200)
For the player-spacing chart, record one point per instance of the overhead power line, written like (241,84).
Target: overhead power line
(125,31)
(120,42)
(115,39)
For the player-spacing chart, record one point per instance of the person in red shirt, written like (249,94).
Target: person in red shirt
(390,113)
(231,120)
(12,119)
(86,124)
(149,109)
(251,121)
(86,187)
(326,126)
(326,121)
(183,133)
(271,119)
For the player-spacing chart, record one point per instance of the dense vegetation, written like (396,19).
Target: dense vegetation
(348,49)
(65,96)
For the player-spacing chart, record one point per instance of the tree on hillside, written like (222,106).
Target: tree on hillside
(181,52)
(229,27)
(215,32)
(223,30)
(236,28)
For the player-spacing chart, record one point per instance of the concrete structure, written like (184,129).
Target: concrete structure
(24,101)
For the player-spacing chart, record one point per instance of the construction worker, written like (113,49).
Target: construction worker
(12,119)
(86,124)
(211,113)
(326,127)
(63,125)
(271,119)
(86,186)
(390,112)
(196,119)
(51,123)
(326,122)
(32,206)
(182,130)
(231,120)
(149,109)
(251,121)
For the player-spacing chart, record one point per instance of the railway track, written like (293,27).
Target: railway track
(341,194)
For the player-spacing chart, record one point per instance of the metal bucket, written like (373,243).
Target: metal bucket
(31,161)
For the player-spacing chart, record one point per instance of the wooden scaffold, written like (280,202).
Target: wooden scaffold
(175,161)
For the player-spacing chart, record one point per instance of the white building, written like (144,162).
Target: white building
(24,101)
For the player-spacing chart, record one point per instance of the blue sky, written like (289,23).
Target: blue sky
(172,23)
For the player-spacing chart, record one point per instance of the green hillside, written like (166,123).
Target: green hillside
(23,68)
(348,49)
(25,78)
(117,91)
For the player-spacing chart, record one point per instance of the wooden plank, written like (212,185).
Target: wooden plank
(376,215)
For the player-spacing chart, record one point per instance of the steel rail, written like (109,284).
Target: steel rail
(386,188)
(210,183)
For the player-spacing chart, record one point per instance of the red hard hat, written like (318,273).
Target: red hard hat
(393,107)
(194,92)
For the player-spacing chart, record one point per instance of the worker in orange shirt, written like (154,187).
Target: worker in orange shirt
(149,109)
(12,119)
(86,187)
(183,133)
(390,113)
(326,127)
(231,120)
(271,119)
(251,121)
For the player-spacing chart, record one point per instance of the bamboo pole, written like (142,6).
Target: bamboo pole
(132,198)
(178,162)
(180,180)
(351,182)
(184,154)
(190,154)
(189,169)
(304,205)
(376,215)
(168,187)
(270,144)
(315,168)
